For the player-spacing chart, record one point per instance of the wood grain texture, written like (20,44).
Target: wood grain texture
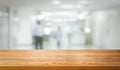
(60,68)
(60,60)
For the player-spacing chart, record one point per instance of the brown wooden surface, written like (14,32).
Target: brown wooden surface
(60,60)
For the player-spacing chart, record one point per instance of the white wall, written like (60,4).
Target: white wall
(113,39)
(4,28)
(99,29)
(25,36)
(107,28)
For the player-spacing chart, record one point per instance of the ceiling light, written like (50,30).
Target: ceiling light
(56,2)
(83,2)
(41,17)
(79,6)
(67,6)
(83,15)
(87,30)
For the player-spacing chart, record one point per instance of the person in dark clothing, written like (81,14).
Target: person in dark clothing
(38,41)
(39,33)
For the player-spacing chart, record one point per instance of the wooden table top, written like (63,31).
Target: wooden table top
(59,58)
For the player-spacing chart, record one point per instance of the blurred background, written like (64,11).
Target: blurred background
(66,24)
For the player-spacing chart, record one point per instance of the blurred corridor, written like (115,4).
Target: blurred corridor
(59,24)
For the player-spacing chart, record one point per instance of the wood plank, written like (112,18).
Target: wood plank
(60,59)
(60,68)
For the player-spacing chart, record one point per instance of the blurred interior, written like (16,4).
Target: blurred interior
(84,24)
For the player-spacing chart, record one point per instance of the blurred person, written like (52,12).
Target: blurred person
(33,35)
(69,34)
(58,37)
(39,35)
(69,38)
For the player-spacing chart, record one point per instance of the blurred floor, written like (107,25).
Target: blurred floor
(82,47)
